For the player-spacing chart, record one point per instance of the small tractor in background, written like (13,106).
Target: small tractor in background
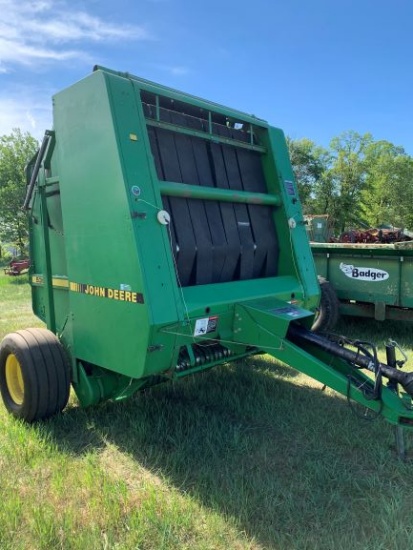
(17,266)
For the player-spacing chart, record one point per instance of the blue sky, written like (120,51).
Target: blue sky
(314,68)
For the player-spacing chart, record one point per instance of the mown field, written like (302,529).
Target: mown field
(245,456)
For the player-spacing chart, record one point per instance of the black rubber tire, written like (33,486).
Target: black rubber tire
(44,371)
(327,314)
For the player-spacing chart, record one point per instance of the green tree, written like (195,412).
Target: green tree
(16,150)
(401,203)
(348,174)
(326,196)
(389,191)
(357,181)
(309,162)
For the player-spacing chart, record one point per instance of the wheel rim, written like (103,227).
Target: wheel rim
(14,379)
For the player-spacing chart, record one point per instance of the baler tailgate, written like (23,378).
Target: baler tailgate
(213,241)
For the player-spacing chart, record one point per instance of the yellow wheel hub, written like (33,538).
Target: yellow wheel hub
(14,379)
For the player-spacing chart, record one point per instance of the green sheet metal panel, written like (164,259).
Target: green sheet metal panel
(368,273)
(117,301)
(99,235)
(117,218)
(406,280)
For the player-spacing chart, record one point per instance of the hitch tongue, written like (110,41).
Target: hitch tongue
(300,335)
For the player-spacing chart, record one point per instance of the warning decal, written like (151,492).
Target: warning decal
(205,325)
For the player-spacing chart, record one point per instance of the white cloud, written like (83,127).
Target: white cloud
(29,109)
(49,30)
(16,52)
(175,70)
(178,70)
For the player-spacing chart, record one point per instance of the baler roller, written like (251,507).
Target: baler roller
(202,355)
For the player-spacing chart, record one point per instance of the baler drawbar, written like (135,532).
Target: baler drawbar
(166,237)
(362,360)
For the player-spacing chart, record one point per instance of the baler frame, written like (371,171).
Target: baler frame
(210,260)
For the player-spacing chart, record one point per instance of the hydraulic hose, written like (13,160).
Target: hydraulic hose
(299,335)
(36,169)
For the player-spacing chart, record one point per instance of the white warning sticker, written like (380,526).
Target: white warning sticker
(201,326)
(205,325)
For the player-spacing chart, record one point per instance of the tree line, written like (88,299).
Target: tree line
(16,149)
(356,180)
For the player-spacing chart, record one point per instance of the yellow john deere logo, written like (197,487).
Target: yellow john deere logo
(93,290)
(105,292)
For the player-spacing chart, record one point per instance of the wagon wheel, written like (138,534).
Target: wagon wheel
(327,313)
(34,374)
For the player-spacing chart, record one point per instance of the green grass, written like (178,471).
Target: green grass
(15,304)
(244,456)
